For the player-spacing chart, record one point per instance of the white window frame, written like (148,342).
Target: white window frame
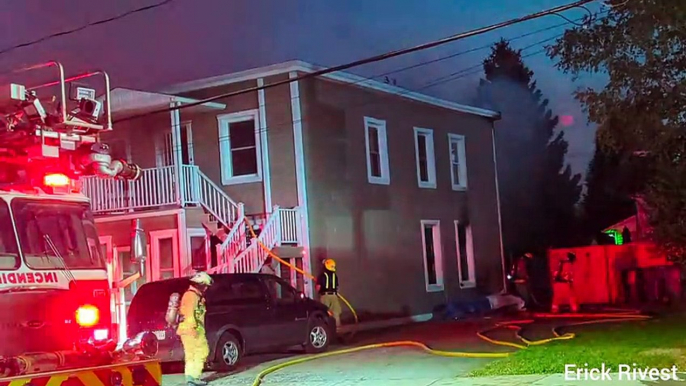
(380,126)
(462,161)
(155,237)
(430,157)
(469,282)
(223,123)
(438,256)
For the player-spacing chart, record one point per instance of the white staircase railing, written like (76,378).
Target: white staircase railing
(253,257)
(232,246)
(213,198)
(158,187)
(155,188)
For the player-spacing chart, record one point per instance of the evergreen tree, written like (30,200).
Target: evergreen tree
(538,191)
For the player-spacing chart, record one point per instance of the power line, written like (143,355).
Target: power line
(88,25)
(373,59)
(471,70)
(464,72)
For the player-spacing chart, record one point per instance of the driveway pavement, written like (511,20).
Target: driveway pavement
(397,366)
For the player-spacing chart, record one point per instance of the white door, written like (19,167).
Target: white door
(164,147)
(164,257)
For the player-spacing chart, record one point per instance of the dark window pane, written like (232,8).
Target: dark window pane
(423,170)
(462,242)
(421,146)
(242,134)
(244,162)
(430,253)
(184,145)
(9,255)
(375,161)
(166,250)
(373,140)
(233,292)
(198,253)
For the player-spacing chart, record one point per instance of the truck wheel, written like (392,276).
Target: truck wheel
(228,352)
(318,337)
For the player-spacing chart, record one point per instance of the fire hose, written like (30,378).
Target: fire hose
(595,318)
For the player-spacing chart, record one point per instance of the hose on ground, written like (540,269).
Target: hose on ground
(595,318)
(516,325)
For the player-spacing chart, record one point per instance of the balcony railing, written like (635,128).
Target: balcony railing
(157,188)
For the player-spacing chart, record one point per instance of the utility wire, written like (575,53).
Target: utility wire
(88,25)
(373,59)
(372,100)
(462,73)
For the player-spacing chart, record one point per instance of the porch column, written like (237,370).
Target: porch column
(176,151)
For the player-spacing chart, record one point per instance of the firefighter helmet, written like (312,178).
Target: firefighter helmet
(330,264)
(202,278)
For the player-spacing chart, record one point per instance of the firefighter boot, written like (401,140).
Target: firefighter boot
(196,382)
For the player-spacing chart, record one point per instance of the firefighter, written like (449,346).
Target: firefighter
(192,328)
(327,287)
(563,285)
(520,276)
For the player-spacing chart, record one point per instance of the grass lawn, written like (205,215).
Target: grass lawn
(653,343)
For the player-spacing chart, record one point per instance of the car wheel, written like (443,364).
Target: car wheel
(318,336)
(228,352)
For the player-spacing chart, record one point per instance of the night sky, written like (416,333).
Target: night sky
(191,39)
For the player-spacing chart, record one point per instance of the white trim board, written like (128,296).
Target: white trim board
(135,215)
(343,77)
(301,179)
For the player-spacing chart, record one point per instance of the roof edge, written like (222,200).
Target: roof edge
(340,76)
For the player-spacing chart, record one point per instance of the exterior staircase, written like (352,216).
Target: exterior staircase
(187,186)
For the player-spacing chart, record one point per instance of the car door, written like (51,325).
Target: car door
(289,314)
(240,303)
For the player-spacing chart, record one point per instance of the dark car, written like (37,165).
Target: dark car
(246,314)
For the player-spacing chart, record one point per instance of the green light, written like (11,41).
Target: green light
(619,239)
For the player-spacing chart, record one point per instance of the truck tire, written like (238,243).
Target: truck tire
(228,352)
(318,336)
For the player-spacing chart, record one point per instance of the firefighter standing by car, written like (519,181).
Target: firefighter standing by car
(192,328)
(563,284)
(327,287)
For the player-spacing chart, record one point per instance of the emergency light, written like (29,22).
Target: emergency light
(87,316)
(56,180)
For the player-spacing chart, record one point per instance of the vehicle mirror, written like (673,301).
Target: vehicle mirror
(139,243)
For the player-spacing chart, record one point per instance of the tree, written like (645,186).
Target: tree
(538,192)
(641,110)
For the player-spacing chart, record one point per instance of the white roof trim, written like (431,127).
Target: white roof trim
(340,76)
(124,96)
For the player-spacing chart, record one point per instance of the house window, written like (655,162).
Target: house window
(377,151)
(458,161)
(426,159)
(433,257)
(465,255)
(239,147)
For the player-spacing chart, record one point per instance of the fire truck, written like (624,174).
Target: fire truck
(56,322)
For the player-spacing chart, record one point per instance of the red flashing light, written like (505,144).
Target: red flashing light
(56,180)
(87,316)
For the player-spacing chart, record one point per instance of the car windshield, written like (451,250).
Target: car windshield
(9,254)
(70,227)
